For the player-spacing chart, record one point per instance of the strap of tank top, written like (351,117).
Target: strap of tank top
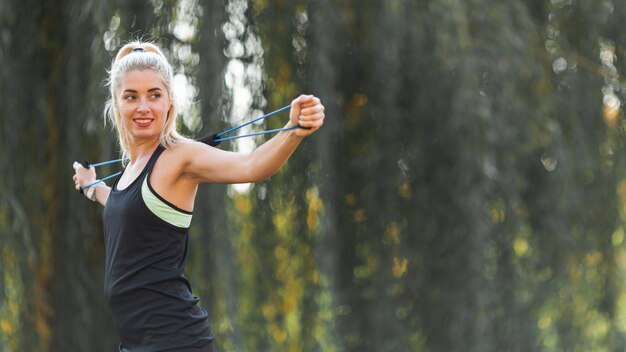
(146,170)
(152,160)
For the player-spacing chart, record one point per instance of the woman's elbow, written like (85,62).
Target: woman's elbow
(260,177)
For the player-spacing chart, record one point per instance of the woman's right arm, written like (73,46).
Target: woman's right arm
(83,176)
(101,193)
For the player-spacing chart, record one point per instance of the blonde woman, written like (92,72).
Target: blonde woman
(148,208)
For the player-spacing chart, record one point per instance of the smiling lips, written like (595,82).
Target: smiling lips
(143,121)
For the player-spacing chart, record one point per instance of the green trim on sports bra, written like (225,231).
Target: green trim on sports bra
(163,210)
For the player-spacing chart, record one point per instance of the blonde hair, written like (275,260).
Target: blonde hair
(129,59)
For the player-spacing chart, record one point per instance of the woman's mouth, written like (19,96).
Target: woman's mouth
(143,122)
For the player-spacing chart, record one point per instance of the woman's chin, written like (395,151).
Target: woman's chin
(141,135)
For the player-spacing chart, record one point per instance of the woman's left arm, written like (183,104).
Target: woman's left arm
(214,165)
(306,111)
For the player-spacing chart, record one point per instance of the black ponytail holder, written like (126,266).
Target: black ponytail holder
(139,49)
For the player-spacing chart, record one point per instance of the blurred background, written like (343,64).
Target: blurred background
(467,191)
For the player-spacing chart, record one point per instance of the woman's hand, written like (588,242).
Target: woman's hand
(82,176)
(308,112)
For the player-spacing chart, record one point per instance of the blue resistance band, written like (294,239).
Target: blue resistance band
(215,139)
(212,140)
(101,180)
(219,136)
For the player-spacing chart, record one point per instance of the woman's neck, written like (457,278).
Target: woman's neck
(141,150)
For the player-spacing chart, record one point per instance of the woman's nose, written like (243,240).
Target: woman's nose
(143,106)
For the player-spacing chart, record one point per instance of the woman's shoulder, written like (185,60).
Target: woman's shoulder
(187,149)
(186,145)
(189,158)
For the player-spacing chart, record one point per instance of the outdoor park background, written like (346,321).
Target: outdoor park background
(467,191)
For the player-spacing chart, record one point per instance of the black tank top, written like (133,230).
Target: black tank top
(149,297)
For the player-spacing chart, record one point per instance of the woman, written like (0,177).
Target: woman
(148,208)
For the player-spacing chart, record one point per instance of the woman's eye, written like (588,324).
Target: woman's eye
(129,98)
(156,95)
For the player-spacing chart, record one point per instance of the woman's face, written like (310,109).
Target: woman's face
(143,102)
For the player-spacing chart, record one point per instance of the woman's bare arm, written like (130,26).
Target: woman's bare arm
(207,164)
(83,176)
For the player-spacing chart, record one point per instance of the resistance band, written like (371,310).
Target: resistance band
(215,139)
(212,140)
